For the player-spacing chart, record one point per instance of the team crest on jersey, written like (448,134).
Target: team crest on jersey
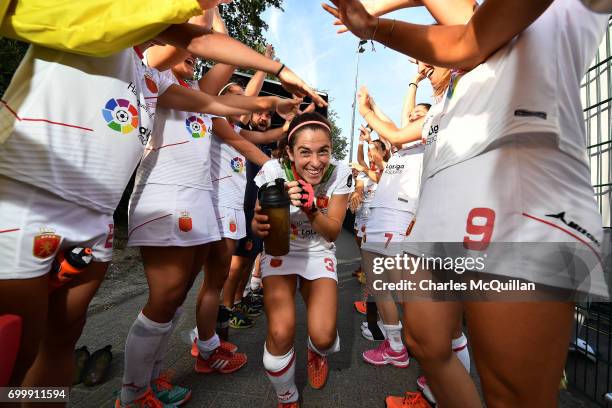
(185,223)
(237,164)
(276,262)
(294,232)
(233,227)
(120,115)
(196,127)
(46,243)
(151,85)
(322,201)
(248,245)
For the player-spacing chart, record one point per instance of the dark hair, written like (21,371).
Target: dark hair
(381,145)
(425,105)
(297,121)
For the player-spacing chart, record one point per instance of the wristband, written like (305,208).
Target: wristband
(280,70)
(415,85)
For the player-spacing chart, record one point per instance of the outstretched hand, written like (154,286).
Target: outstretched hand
(288,108)
(294,84)
(352,15)
(364,101)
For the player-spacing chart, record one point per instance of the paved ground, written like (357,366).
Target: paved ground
(351,384)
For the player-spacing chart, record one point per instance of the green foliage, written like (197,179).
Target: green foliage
(339,142)
(11,53)
(243,20)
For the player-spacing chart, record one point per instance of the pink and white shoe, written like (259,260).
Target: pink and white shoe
(425,390)
(384,354)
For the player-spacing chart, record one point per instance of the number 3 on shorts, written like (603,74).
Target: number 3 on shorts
(329,265)
(479,233)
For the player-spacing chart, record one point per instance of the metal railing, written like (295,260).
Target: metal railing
(589,365)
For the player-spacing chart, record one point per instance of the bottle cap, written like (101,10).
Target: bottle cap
(273,194)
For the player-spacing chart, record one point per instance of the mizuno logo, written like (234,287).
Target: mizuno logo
(574,226)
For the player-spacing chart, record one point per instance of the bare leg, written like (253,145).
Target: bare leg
(428,330)
(67,314)
(27,298)
(512,374)
(279,304)
(321,298)
(216,269)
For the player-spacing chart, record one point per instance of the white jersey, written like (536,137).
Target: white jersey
(228,171)
(369,189)
(529,86)
(77,126)
(304,239)
(178,153)
(400,183)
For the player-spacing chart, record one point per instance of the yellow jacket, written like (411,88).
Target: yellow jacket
(91,27)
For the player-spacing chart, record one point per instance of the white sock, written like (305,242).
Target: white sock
(460,348)
(141,348)
(281,372)
(207,347)
(163,345)
(394,335)
(193,334)
(324,353)
(255,282)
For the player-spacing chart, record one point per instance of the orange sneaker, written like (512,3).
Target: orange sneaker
(232,348)
(148,400)
(288,405)
(410,400)
(318,369)
(221,361)
(361,307)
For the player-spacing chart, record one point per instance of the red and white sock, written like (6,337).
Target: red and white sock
(281,372)
(460,348)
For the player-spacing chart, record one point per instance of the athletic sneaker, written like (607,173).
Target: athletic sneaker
(238,320)
(318,369)
(221,361)
(169,393)
(232,348)
(384,354)
(148,400)
(425,390)
(254,300)
(379,332)
(247,309)
(361,307)
(410,400)
(288,405)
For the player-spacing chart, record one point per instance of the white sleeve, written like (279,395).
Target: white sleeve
(163,79)
(343,183)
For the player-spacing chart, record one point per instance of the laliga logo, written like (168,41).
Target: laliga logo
(237,164)
(196,127)
(120,115)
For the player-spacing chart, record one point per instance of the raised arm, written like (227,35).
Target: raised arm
(410,99)
(181,98)
(388,131)
(462,46)
(221,48)
(225,132)
(266,137)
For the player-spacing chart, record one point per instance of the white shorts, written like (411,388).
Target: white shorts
(517,193)
(36,224)
(385,230)
(167,215)
(310,266)
(231,222)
